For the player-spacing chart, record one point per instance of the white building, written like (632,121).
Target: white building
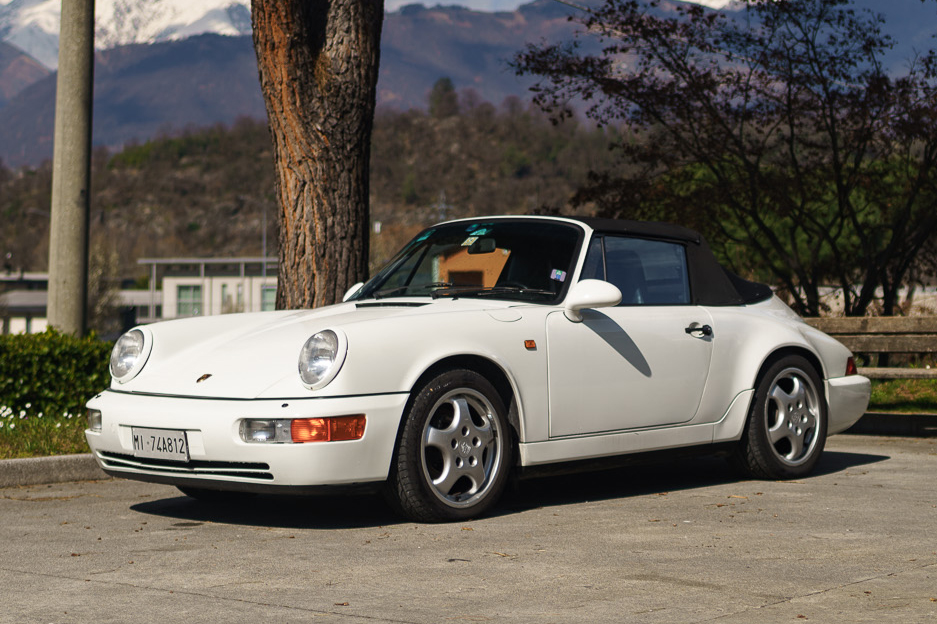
(209,286)
(23,302)
(178,287)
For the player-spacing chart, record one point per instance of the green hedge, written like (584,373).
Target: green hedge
(45,380)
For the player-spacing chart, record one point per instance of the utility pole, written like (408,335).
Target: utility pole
(71,169)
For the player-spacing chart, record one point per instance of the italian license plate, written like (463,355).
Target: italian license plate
(160,444)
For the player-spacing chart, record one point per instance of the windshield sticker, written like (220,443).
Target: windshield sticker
(480,232)
(559,276)
(468,241)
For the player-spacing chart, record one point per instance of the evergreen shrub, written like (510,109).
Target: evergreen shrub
(45,380)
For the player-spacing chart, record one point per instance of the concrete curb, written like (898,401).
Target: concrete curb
(56,469)
(896,424)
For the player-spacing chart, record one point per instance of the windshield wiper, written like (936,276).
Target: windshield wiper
(483,291)
(401,290)
(390,292)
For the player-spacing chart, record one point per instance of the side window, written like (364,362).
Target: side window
(594,266)
(648,272)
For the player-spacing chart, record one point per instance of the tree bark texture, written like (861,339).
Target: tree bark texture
(318,64)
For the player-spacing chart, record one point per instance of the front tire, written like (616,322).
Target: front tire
(787,423)
(455,450)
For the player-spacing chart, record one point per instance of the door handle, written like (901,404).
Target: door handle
(706,330)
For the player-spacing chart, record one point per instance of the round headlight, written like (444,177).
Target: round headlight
(129,355)
(321,358)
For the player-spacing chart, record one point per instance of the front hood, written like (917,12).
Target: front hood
(243,356)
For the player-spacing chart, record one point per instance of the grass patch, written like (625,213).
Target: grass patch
(41,436)
(906,396)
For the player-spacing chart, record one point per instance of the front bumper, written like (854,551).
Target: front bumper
(220,459)
(848,399)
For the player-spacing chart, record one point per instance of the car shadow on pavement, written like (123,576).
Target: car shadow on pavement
(362,511)
(653,477)
(288,512)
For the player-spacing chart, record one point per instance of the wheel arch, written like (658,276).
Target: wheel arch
(483,366)
(783,352)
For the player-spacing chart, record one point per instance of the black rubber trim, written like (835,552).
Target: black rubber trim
(395,304)
(197,468)
(256,487)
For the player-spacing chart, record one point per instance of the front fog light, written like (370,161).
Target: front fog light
(263,430)
(94,420)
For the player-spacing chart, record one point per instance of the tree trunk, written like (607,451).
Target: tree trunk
(318,65)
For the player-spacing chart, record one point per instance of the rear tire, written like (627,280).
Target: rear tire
(455,450)
(787,423)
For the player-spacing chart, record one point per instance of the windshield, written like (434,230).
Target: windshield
(517,260)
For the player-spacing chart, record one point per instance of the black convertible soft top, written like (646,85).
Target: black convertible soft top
(711,284)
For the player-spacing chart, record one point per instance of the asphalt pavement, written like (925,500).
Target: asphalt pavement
(679,542)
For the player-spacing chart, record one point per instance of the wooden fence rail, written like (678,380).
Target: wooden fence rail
(885,334)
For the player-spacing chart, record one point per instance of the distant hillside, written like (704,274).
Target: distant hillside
(17,71)
(141,90)
(144,89)
(209,192)
(420,45)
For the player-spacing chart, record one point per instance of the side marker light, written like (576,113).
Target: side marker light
(851,368)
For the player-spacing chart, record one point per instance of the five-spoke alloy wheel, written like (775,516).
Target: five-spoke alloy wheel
(455,449)
(786,428)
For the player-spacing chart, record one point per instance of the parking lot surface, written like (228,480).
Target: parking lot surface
(683,541)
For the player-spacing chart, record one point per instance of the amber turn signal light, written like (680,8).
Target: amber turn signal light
(328,429)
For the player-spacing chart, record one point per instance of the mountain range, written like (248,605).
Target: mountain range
(164,65)
(143,89)
(33,25)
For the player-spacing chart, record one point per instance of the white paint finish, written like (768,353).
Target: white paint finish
(212,428)
(624,380)
(608,445)
(744,338)
(848,398)
(590,294)
(626,368)
(730,427)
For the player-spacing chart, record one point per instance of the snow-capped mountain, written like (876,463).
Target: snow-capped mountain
(33,25)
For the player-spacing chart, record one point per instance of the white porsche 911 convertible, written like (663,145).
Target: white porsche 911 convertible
(486,346)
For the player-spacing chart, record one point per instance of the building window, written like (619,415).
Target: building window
(268,298)
(189,301)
